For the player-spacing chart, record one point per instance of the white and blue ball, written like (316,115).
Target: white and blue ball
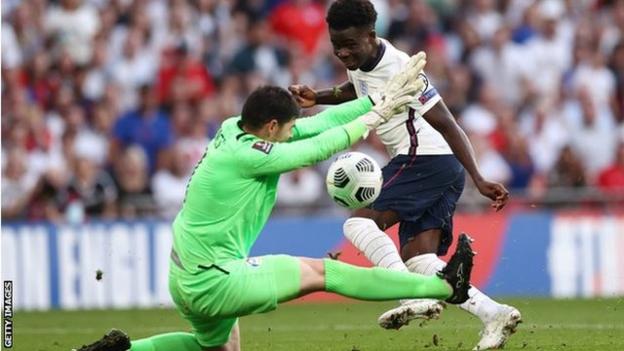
(354,180)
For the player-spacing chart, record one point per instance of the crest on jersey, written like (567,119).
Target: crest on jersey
(427,95)
(363,87)
(263,146)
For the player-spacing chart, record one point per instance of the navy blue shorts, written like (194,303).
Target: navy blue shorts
(423,190)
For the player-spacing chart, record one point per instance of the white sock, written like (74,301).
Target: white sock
(376,245)
(478,304)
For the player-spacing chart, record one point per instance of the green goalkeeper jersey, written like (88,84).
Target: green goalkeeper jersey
(233,188)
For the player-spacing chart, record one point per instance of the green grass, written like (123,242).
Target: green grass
(569,325)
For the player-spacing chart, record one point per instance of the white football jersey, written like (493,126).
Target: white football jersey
(408,133)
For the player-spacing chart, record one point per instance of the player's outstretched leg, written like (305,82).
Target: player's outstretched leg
(380,250)
(461,261)
(376,283)
(114,340)
(453,273)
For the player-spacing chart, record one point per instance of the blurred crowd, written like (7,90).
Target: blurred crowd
(108,104)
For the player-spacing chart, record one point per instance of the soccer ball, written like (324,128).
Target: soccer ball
(354,180)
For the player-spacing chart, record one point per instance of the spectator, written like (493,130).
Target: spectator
(182,78)
(50,199)
(44,149)
(550,51)
(135,68)
(17,184)
(460,85)
(503,64)
(27,30)
(301,21)
(180,30)
(191,137)
(612,178)
(73,26)
(520,164)
(568,171)
(181,117)
(147,126)
(484,18)
(614,28)
(112,100)
(208,17)
(595,78)
(547,135)
(92,189)
(135,198)
(258,55)
(480,116)
(94,141)
(588,131)
(617,67)
(208,112)
(169,184)
(516,16)
(463,41)
(417,28)
(11,54)
(529,22)
(491,162)
(97,75)
(37,81)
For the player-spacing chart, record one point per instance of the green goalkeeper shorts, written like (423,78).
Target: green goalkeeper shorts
(213,299)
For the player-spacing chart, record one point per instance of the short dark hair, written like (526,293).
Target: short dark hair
(267,103)
(344,14)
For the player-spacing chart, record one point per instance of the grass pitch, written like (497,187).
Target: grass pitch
(570,325)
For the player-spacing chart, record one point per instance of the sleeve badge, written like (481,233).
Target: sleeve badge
(263,146)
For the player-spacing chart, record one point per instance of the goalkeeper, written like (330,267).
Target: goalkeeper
(229,199)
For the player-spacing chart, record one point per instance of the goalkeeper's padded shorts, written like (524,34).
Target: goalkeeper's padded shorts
(423,190)
(214,298)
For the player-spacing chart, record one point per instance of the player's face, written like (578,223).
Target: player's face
(353,46)
(281,132)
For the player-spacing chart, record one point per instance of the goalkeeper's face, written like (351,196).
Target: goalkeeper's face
(279,132)
(353,46)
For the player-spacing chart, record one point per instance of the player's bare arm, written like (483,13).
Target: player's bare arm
(443,121)
(308,97)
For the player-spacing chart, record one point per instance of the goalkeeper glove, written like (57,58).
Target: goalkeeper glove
(398,92)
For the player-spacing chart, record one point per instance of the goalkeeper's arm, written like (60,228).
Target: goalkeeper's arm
(332,117)
(263,158)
